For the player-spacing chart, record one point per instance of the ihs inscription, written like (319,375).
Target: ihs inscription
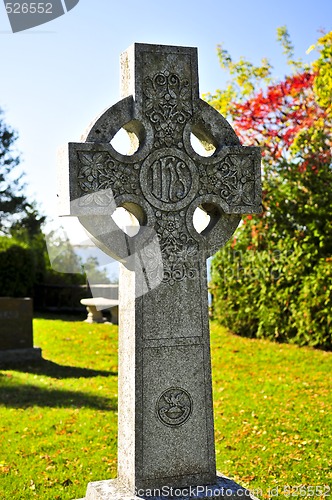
(169,178)
(164,353)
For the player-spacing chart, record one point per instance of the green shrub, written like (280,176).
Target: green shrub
(312,314)
(17,268)
(280,295)
(274,280)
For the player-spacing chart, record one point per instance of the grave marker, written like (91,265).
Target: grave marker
(165,418)
(16,333)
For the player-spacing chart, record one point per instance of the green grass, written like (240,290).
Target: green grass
(273,420)
(58,421)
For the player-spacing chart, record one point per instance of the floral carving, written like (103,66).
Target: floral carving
(169,225)
(167,105)
(233,179)
(211,179)
(246,178)
(101,178)
(178,249)
(122,179)
(91,166)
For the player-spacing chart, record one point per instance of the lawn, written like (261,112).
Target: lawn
(58,420)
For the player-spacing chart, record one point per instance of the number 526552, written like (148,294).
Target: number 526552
(29,8)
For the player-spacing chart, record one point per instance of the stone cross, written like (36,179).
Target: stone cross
(165,417)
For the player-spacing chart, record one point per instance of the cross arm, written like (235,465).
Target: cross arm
(229,186)
(98,181)
(234,176)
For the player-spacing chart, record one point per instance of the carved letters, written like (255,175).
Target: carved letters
(169,182)
(168,179)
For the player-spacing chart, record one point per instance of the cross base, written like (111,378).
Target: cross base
(223,488)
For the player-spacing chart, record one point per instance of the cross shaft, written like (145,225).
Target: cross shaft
(165,395)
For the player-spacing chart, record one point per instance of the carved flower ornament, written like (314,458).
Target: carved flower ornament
(169,225)
(99,172)
(91,166)
(168,106)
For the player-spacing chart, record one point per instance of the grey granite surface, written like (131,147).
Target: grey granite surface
(166,434)
(222,488)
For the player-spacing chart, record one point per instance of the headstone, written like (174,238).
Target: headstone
(165,417)
(16,334)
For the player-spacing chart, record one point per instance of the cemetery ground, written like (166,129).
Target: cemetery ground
(58,420)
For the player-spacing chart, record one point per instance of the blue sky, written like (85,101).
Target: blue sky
(57,77)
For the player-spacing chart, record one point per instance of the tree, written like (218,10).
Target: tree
(13,201)
(17,268)
(274,279)
(29,231)
(20,222)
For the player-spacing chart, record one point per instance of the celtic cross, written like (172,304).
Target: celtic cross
(166,434)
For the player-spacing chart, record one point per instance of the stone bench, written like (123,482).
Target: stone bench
(95,306)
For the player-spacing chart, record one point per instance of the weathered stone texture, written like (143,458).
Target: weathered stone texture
(166,432)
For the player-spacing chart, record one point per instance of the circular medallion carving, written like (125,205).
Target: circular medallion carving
(174,407)
(169,179)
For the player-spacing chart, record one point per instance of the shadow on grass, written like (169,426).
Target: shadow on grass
(25,396)
(51,369)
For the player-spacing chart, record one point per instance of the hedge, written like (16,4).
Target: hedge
(278,294)
(17,268)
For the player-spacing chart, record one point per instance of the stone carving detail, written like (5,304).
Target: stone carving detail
(101,178)
(167,105)
(174,407)
(178,256)
(167,331)
(170,179)
(178,249)
(233,179)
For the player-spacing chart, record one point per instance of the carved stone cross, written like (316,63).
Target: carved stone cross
(166,434)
